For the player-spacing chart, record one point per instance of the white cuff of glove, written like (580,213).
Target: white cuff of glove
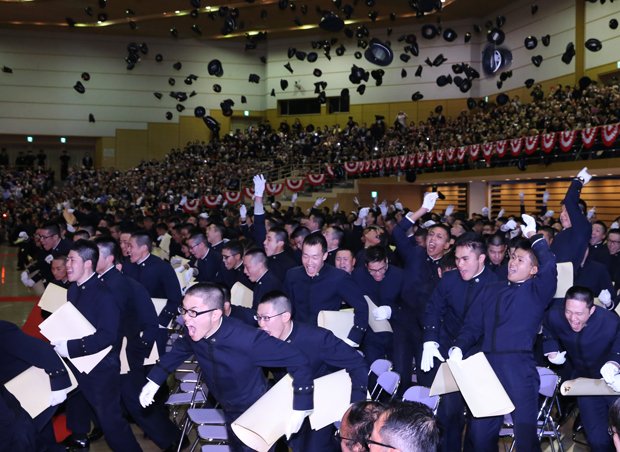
(558,358)
(455,354)
(147,395)
(382,313)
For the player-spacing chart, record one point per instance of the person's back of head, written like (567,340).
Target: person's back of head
(408,427)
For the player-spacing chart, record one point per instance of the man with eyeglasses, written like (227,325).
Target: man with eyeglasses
(232,356)
(316,286)
(613,245)
(326,353)
(208,260)
(233,269)
(255,263)
(53,245)
(405,427)
(383,284)
(356,425)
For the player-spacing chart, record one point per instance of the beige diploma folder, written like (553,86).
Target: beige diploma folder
(53,298)
(484,394)
(68,323)
(265,421)
(338,322)
(378,326)
(32,389)
(444,382)
(152,358)
(240,295)
(587,387)
(565,278)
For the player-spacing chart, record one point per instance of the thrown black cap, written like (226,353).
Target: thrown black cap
(254,78)
(217,88)
(331,22)
(584,82)
(159,58)
(377,75)
(177,65)
(593,45)
(171,81)
(530,42)
(180,108)
(417,96)
(158,95)
(317,72)
(85,76)
(403,73)
(168,115)
(358,55)
(379,53)
(79,87)
(443,80)
(215,68)
(458,68)
(418,71)
(211,123)
(226,107)
(358,74)
(312,57)
(467,37)
(199,112)
(91,117)
(534,8)
(429,31)
(340,50)
(546,40)
(361,89)
(471,103)
(404,57)
(7,70)
(283,84)
(496,36)
(288,67)
(502,99)
(613,23)
(449,34)
(537,60)
(465,85)
(244,100)
(569,53)
(300,55)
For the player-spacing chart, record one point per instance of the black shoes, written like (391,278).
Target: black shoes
(77,445)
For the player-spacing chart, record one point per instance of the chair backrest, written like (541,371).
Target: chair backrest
(380,366)
(421,394)
(549,381)
(388,383)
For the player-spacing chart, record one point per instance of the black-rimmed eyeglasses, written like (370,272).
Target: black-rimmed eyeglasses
(266,318)
(192,313)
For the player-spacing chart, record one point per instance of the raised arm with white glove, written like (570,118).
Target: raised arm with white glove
(430,352)
(605,298)
(529,229)
(609,371)
(429,201)
(584,176)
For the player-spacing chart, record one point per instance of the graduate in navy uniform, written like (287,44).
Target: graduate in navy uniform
(383,284)
(506,317)
(232,356)
(18,352)
(208,260)
(139,326)
(159,279)
(232,265)
(316,286)
(570,244)
(52,244)
(100,387)
(421,277)
(497,260)
(445,314)
(263,279)
(326,353)
(588,337)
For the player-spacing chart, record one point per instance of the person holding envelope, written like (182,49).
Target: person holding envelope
(231,355)
(506,316)
(326,354)
(588,337)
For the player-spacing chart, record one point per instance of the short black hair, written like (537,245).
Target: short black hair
(211,294)
(376,253)
(87,251)
(580,293)
(410,426)
(361,418)
(316,238)
(473,241)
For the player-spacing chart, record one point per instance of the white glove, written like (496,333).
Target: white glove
(455,354)
(70,228)
(318,202)
(57,397)
(139,200)
(427,224)
(615,385)
(294,422)
(259,185)
(546,196)
(429,200)
(549,213)
(175,261)
(591,213)
(384,209)
(382,313)
(501,213)
(148,393)
(485,211)
(449,210)
(294,198)
(243,212)
(521,196)
(558,358)
(614,225)
(188,276)
(66,205)
(60,347)
(183,201)
(336,207)
(431,351)
(608,372)
(530,225)
(399,205)
(584,175)
(605,297)
(49,258)
(356,201)
(26,280)
(363,213)
(510,225)
(179,268)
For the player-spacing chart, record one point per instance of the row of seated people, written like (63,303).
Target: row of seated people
(466,307)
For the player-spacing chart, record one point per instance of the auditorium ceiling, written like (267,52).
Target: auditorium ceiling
(199,19)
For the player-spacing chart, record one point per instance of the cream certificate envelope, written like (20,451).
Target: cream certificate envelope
(444,382)
(378,326)
(565,278)
(481,389)
(68,323)
(586,387)
(53,298)
(338,322)
(241,295)
(332,395)
(32,389)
